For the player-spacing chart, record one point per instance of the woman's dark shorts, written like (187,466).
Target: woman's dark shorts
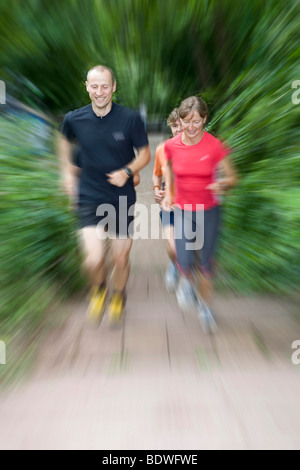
(167,218)
(206,228)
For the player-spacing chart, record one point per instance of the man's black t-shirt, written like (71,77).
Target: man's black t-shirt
(107,144)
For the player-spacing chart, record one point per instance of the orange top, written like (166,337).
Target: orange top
(160,165)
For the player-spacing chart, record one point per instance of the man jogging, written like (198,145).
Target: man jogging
(107,134)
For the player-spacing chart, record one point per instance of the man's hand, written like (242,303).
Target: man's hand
(118,178)
(136,179)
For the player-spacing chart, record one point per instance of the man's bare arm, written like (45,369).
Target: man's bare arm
(142,160)
(70,172)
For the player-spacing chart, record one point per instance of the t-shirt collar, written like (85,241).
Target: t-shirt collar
(106,115)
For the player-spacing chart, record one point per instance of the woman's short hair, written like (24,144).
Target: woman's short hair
(173,117)
(193,103)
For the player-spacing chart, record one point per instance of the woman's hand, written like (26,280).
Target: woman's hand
(217,188)
(159,195)
(228,181)
(166,204)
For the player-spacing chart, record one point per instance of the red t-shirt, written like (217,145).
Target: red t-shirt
(194,168)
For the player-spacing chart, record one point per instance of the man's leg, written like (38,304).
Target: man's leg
(94,254)
(120,250)
(93,247)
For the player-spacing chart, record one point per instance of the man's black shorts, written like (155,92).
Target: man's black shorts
(115,220)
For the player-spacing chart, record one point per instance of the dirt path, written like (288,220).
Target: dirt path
(159,382)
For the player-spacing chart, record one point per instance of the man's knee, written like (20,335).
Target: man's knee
(121,255)
(92,262)
(93,250)
(121,261)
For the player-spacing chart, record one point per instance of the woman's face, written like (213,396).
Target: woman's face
(176,127)
(192,125)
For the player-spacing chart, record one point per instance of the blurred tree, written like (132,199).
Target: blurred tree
(160,51)
(259,120)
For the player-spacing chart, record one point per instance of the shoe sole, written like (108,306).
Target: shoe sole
(208,327)
(187,306)
(171,287)
(115,324)
(95,321)
(208,323)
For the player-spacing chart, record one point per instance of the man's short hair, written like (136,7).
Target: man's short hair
(101,68)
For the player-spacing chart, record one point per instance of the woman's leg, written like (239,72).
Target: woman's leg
(211,230)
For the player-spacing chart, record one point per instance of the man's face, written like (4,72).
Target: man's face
(100,88)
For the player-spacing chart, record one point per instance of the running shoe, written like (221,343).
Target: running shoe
(116,308)
(171,277)
(185,294)
(206,317)
(97,304)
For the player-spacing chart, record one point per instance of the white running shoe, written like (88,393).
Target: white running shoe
(206,318)
(185,294)
(171,277)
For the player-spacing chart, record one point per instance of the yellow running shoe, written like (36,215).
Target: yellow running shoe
(116,308)
(97,304)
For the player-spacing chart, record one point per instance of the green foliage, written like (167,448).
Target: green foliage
(261,248)
(38,250)
(160,51)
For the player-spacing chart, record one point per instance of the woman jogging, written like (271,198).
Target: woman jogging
(195,159)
